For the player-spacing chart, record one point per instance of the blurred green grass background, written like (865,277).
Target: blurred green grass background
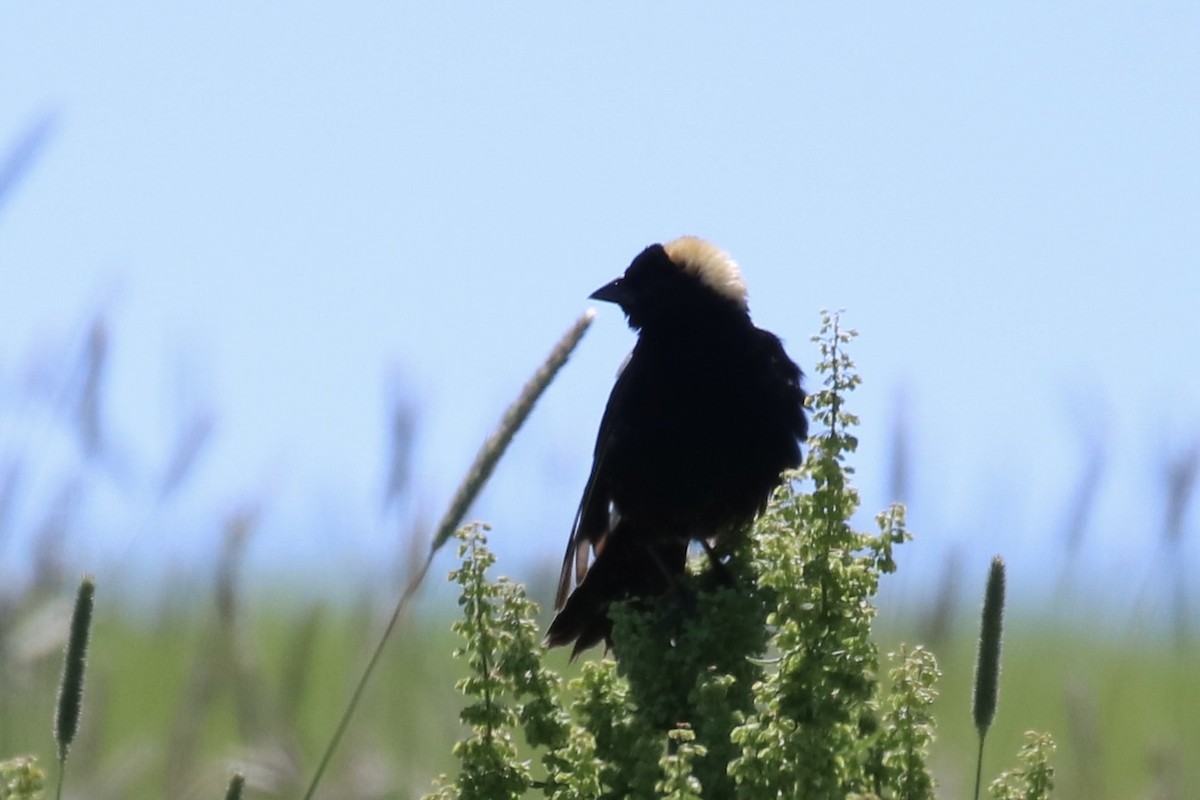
(174,703)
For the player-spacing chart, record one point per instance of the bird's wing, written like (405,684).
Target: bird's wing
(590,527)
(592,519)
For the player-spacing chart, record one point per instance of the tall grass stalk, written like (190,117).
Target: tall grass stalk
(236,784)
(70,691)
(472,483)
(987,665)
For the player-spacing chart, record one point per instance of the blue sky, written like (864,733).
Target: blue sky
(279,210)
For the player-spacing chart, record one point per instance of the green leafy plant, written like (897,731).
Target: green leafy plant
(21,779)
(762,682)
(1034,779)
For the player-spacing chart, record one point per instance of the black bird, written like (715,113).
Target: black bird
(705,415)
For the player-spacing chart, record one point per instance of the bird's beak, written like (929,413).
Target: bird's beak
(611,292)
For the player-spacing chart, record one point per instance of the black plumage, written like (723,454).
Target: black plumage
(705,415)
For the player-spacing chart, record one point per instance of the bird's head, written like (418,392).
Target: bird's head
(686,277)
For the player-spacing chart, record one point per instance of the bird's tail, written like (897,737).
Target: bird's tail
(626,568)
